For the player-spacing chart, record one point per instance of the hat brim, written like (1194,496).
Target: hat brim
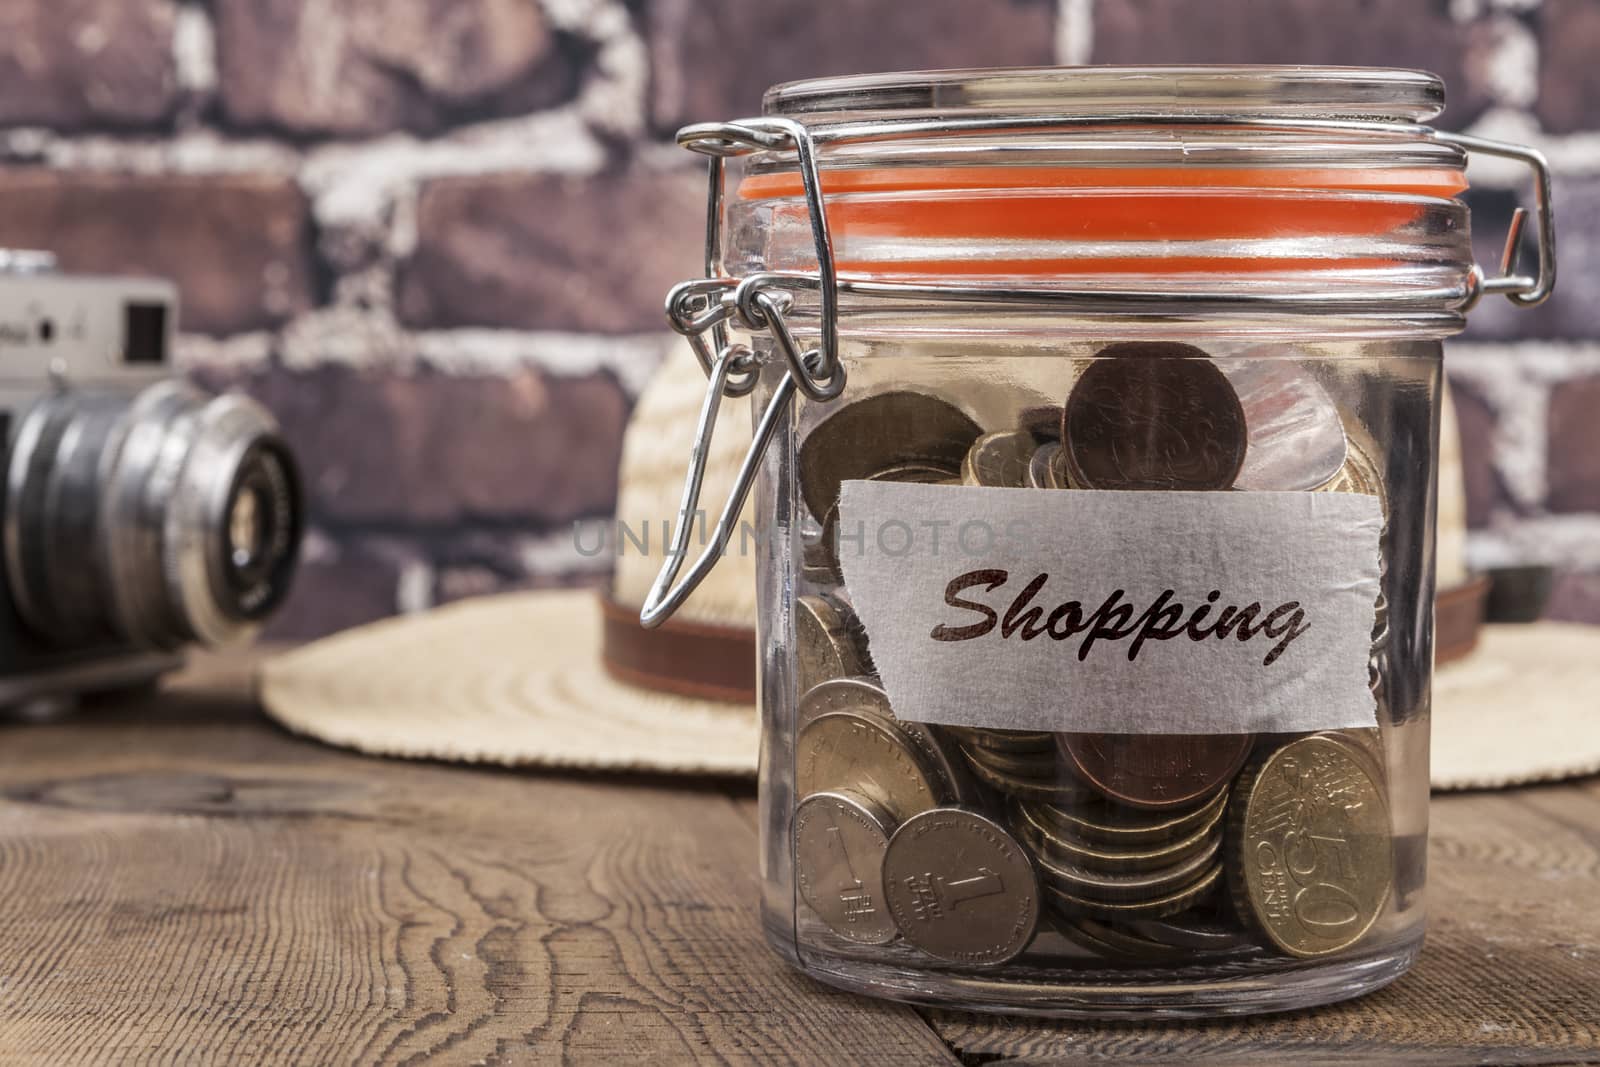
(1524,706)
(516,680)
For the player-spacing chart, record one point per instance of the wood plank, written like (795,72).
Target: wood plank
(180,880)
(1510,972)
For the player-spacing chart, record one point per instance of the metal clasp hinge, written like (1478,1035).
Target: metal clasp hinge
(759,302)
(1518,288)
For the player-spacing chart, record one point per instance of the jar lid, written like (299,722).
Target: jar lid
(1370,93)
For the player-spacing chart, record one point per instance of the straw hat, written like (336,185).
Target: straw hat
(567,679)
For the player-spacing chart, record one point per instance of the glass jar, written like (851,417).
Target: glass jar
(1097,418)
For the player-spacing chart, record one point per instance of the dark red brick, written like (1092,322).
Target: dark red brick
(1573,311)
(1373,33)
(1486,491)
(1574,459)
(553,252)
(342,583)
(711,60)
(239,246)
(86,63)
(423,448)
(1569,77)
(364,67)
(1575,598)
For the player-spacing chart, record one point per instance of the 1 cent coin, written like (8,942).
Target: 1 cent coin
(1156,771)
(1153,415)
(900,429)
(839,843)
(960,888)
(1315,849)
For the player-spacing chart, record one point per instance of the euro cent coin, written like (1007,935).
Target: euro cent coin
(1156,771)
(1315,846)
(961,888)
(1153,415)
(839,843)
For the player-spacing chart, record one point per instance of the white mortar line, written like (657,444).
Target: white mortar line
(1074,32)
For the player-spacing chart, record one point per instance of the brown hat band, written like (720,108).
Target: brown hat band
(1457,619)
(690,659)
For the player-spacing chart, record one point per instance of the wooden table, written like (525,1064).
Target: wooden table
(181,880)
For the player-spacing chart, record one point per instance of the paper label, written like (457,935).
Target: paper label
(1116,612)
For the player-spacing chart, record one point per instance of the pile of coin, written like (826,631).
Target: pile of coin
(972,845)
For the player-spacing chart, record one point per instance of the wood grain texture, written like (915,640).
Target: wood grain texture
(180,881)
(1510,972)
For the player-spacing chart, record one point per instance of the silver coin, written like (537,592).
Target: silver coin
(1130,886)
(826,644)
(839,843)
(1055,788)
(820,557)
(1197,935)
(1044,469)
(1070,846)
(864,754)
(1297,441)
(1015,741)
(903,428)
(866,696)
(1000,459)
(960,888)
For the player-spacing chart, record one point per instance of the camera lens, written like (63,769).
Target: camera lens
(162,519)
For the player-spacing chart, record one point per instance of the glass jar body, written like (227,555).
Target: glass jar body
(1143,904)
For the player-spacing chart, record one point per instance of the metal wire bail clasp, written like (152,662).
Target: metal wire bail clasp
(1519,288)
(759,302)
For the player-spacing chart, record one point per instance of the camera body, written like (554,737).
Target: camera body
(137,514)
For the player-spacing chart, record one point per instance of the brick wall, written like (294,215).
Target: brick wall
(433,235)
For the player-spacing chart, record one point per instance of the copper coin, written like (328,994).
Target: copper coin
(1156,771)
(900,429)
(1153,415)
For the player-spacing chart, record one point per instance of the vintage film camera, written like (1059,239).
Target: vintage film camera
(138,514)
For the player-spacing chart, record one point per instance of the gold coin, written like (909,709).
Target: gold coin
(844,751)
(1315,849)
(1137,857)
(1119,826)
(1000,459)
(1179,900)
